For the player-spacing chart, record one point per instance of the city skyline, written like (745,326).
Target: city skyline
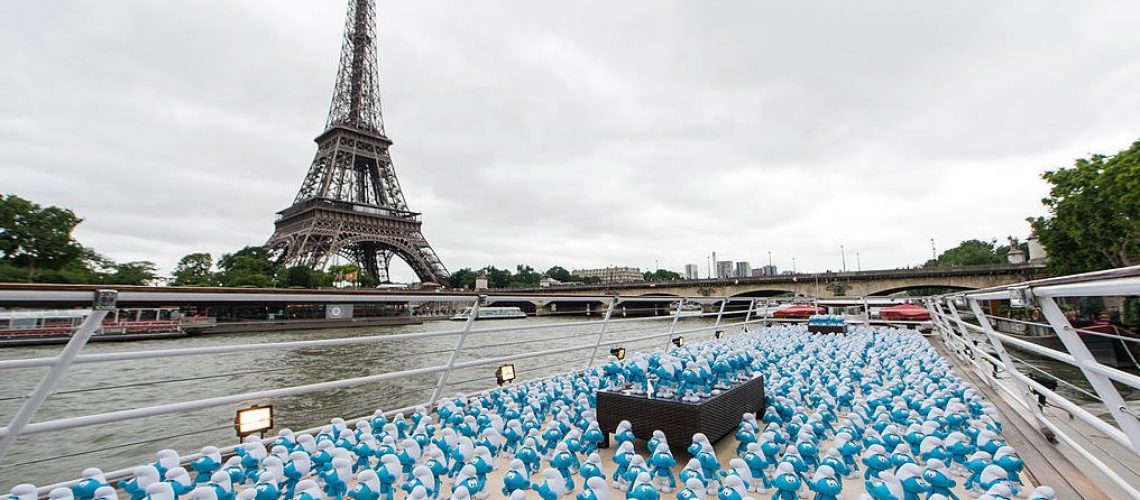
(177,144)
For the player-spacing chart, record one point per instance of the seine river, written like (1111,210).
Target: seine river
(98,387)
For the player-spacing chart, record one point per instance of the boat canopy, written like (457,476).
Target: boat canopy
(798,311)
(905,312)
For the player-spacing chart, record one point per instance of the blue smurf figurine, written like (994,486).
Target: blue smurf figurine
(388,474)
(592,467)
(516,478)
(938,477)
(144,476)
(661,463)
(642,488)
(757,466)
(337,477)
(563,460)
(786,481)
(552,486)
(92,480)
(825,484)
(222,485)
(595,489)
(367,486)
(206,465)
(694,490)
(624,433)
(910,475)
(876,460)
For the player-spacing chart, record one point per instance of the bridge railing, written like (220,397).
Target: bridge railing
(966,323)
(468,350)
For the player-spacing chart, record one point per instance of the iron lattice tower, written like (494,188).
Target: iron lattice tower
(350,203)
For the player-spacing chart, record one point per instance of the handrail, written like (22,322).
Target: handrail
(1043,294)
(586,338)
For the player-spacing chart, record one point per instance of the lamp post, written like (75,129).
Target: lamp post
(843,255)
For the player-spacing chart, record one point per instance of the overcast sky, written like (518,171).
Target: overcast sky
(574,133)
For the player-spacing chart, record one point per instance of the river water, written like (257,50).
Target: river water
(99,387)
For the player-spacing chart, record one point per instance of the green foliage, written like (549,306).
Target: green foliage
(1094,213)
(195,269)
(661,275)
(248,267)
(973,253)
(141,272)
(463,278)
(302,277)
(525,277)
(559,273)
(34,237)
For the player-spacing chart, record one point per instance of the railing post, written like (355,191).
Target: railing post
(969,344)
(455,352)
(720,313)
(602,332)
(1006,360)
(677,316)
(1101,384)
(104,302)
(748,317)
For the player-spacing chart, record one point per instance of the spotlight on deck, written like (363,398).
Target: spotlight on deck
(1020,297)
(618,352)
(253,420)
(505,374)
(679,341)
(719,334)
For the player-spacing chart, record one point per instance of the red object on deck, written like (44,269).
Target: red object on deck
(905,312)
(798,311)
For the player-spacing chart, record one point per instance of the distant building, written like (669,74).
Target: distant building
(769,270)
(611,274)
(742,269)
(724,269)
(691,271)
(546,282)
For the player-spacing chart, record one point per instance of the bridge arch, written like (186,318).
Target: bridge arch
(764,293)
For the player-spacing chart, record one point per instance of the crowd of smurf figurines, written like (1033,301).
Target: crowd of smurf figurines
(877,401)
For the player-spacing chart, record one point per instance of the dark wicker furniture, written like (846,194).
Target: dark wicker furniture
(715,417)
(827,329)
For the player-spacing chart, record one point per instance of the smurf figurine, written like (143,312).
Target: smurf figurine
(388,474)
(206,465)
(367,486)
(694,490)
(787,482)
(938,477)
(92,480)
(661,464)
(307,489)
(23,492)
(552,486)
(595,489)
(592,467)
(825,484)
(144,476)
(643,489)
(516,478)
(336,478)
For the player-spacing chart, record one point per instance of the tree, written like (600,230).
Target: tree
(195,270)
(141,272)
(559,273)
(302,277)
(463,278)
(1094,213)
(661,275)
(34,237)
(971,253)
(525,277)
(498,278)
(247,267)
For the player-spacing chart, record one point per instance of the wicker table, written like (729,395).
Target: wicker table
(715,417)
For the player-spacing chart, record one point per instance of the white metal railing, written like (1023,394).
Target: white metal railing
(57,367)
(967,339)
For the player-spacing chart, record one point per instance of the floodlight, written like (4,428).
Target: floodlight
(1020,297)
(505,374)
(253,420)
(618,352)
(679,341)
(719,334)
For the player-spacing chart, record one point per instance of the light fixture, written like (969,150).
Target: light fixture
(719,334)
(253,420)
(679,341)
(1020,297)
(505,374)
(618,352)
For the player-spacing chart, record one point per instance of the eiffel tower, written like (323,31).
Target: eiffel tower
(350,203)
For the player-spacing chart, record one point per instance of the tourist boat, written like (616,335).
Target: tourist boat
(38,327)
(509,312)
(910,388)
(686,309)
